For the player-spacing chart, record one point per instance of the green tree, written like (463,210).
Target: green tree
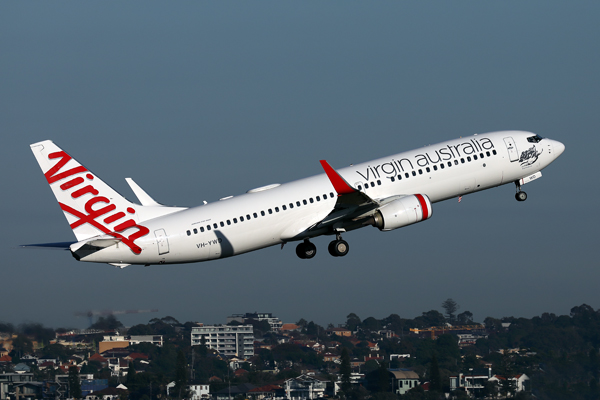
(352,321)
(74,383)
(345,371)
(180,376)
(435,378)
(450,307)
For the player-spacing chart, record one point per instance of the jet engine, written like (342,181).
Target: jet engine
(402,212)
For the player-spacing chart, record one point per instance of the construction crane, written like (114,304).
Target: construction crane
(444,329)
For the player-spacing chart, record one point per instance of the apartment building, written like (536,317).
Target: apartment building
(230,341)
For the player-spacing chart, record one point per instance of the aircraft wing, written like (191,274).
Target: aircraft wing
(352,205)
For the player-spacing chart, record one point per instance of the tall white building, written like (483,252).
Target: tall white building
(230,341)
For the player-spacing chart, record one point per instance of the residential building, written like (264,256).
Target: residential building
(117,341)
(404,380)
(472,382)
(304,387)
(275,322)
(230,341)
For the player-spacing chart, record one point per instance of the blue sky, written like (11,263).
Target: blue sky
(201,100)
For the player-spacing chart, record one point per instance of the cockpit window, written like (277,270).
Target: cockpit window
(534,139)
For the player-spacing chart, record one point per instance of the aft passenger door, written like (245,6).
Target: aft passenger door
(161,241)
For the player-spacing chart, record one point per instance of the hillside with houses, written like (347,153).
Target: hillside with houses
(257,356)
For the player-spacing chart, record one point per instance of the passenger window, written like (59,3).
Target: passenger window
(435,167)
(284,207)
(241,219)
(372,184)
(291,205)
(189,233)
(262,213)
(399,177)
(311,200)
(455,162)
(406,175)
(318,198)
(298,203)
(201,229)
(462,160)
(442,165)
(228,222)
(215,225)
(195,231)
(270,211)
(480,155)
(469,159)
(475,157)
(255,215)
(235,220)
(248,216)
(414,173)
(494,152)
(428,169)
(359,187)
(222,224)
(487,153)
(393,179)
(208,227)
(378,182)
(420,172)
(449,163)
(304,202)
(331,195)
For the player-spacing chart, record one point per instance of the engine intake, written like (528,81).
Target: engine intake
(402,212)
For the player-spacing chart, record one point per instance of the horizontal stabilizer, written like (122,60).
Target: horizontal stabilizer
(56,246)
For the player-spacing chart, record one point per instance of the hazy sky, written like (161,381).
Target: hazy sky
(201,100)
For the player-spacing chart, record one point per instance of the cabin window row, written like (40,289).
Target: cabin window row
(442,165)
(255,215)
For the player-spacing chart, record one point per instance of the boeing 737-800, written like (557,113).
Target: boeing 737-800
(387,193)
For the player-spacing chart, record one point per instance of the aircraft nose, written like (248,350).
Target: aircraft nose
(558,148)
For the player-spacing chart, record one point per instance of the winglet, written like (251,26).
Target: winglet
(339,184)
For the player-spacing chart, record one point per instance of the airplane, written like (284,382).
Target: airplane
(387,193)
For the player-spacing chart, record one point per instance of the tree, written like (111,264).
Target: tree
(74,384)
(450,306)
(465,318)
(345,371)
(435,378)
(180,375)
(107,324)
(352,321)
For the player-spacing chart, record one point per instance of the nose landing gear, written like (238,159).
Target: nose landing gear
(520,195)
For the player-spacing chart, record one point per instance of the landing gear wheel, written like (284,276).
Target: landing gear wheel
(306,250)
(338,248)
(521,196)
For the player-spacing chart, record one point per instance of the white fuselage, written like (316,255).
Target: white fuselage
(282,213)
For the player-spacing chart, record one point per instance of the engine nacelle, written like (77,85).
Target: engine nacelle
(402,212)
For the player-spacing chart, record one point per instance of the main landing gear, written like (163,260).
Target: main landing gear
(306,249)
(520,195)
(337,248)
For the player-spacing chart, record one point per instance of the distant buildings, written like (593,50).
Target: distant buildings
(275,322)
(230,341)
(115,341)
